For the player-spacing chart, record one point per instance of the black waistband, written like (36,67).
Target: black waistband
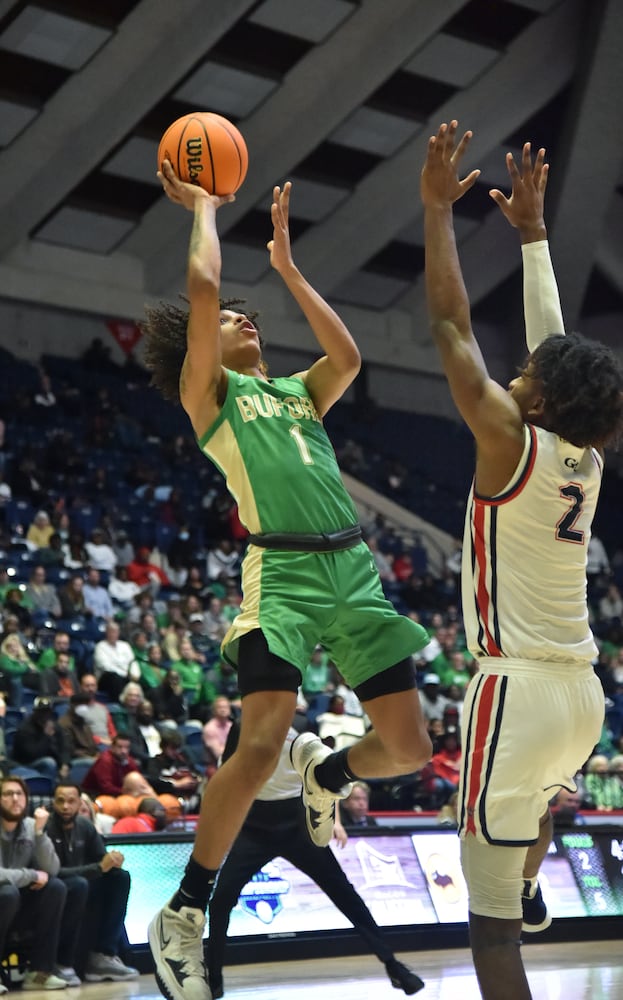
(327,541)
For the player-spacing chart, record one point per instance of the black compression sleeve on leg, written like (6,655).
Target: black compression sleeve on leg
(334,772)
(195,888)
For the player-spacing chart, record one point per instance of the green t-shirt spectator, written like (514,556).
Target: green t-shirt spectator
(12,666)
(453,669)
(151,676)
(191,678)
(316,675)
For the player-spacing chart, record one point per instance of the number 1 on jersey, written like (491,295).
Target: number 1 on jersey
(301,444)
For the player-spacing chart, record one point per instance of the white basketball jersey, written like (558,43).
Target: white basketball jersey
(524,556)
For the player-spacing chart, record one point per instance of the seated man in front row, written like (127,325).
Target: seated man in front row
(31,896)
(97,894)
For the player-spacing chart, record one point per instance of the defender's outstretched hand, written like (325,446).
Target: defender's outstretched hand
(440,184)
(187,195)
(524,207)
(279,247)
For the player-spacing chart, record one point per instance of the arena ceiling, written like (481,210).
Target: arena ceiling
(340,96)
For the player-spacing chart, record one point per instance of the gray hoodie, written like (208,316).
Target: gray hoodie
(24,853)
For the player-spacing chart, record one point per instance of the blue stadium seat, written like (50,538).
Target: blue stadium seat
(86,518)
(19,512)
(14,716)
(165,533)
(194,737)
(40,785)
(57,575)
(78,771)
(9,739)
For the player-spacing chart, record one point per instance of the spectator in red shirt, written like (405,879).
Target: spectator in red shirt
(445,765)
(106,775)
(145,573)
(402,567)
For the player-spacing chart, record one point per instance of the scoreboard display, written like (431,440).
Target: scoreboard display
(596,862)
(406,877)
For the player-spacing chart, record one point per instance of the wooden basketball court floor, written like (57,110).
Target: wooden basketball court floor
(587,970)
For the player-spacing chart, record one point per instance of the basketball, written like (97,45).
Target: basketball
(206,149)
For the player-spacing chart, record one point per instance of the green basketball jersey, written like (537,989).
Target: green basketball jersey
(279,464)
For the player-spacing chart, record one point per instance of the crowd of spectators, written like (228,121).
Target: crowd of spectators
(120,555)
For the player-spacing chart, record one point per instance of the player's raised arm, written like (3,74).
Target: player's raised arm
(329,377)
(487,408)
(524,210)
(202,371)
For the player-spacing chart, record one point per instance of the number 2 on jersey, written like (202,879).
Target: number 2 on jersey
(565,531)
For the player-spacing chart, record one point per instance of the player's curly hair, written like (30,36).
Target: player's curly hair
(164,329)
(583,389)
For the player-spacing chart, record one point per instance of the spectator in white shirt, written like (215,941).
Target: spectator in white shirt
(114,662)
(123,592)
(352,705)
(597,570)
(433,702)
(596,557)
(100,554)
(611,604)
(223,561)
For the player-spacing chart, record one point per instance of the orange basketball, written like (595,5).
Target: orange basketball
(206,149)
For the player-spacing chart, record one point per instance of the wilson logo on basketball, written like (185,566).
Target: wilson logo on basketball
(194,150)
(205,149)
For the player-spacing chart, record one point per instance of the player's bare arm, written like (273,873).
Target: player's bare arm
(329,377)
(202,372)
(492,415)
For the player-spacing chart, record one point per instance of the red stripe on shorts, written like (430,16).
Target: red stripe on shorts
(483,722)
